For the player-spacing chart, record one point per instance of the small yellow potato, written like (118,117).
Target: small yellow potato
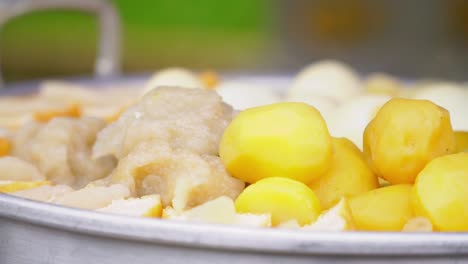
(349,145)
(404,136)
(383,209)
(284,199)
(440,192)
(348,175)
(418,209)
(461,137)
(288,140)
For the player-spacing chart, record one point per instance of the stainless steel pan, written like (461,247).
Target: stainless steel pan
(33,232)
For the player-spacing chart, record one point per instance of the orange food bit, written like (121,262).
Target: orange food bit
(5,147)
(73,110)
(210,79)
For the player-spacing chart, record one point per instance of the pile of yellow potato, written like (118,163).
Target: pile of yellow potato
(411,176)
(333,152)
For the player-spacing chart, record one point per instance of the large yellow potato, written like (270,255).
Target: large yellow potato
(383,209)
(284,199)
(440,192)
(348,175)
(280,140)
(346,143)
(404,136)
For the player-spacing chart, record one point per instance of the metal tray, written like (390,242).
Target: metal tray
(34,232)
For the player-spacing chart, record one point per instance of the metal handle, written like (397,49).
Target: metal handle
(108,58)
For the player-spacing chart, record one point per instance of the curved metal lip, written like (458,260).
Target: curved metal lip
(231,238)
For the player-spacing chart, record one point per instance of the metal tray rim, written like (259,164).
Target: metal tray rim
(231,237)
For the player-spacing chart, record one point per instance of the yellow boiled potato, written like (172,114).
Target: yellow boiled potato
(404,136)
(461,137)
(383,209)
(440,192)
(347,144)
(418,210)
(349,174)
(284,199)
(280,140)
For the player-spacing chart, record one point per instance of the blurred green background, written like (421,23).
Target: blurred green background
(205,34)
(411,39)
